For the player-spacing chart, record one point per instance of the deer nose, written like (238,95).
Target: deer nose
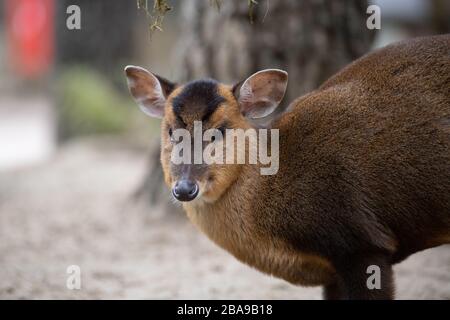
(185,190)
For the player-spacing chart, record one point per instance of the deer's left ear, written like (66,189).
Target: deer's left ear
(261,93)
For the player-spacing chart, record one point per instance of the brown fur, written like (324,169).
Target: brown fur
(364,175)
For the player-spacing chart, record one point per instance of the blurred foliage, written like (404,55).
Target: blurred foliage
(89,104)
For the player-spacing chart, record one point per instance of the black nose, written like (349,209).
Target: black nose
(185,190)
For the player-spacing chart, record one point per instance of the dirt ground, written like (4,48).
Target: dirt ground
(76,210)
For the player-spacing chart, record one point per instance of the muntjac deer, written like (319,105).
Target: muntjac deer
(364,167)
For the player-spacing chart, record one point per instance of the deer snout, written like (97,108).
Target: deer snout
(185,190)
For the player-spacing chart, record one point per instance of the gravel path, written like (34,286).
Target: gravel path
(75,210)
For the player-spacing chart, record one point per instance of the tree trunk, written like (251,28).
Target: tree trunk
(309,39)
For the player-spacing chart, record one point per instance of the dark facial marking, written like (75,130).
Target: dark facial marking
(166,85)
(236,89)
(224,126)
(199,98)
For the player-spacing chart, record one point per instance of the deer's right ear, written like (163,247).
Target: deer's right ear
(149,91)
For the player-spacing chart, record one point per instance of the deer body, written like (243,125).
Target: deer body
(364,177)
(232,222)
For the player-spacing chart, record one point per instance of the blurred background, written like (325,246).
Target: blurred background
(80,180)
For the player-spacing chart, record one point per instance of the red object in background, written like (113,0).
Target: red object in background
(30,35)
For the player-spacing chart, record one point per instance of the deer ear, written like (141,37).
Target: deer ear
(148,90)
(261,93)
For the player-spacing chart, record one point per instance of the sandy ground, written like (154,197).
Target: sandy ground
(75,210)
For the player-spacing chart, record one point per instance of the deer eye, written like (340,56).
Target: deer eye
(172,140)
(222,131)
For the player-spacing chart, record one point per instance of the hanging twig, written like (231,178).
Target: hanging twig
(161,7)
(216,3)
(251,7)
(156,15)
